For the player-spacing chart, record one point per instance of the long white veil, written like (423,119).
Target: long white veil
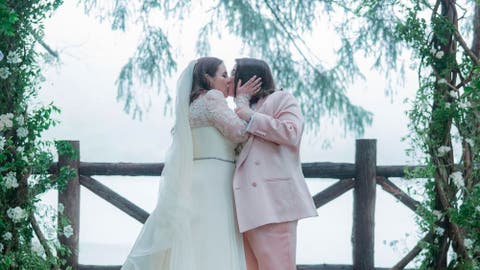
(165,240)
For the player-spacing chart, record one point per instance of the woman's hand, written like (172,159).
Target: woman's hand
(251,87)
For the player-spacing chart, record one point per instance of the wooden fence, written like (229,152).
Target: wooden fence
(361,176)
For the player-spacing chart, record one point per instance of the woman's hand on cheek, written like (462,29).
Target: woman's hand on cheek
(251,87)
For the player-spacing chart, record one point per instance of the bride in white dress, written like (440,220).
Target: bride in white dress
(193,226)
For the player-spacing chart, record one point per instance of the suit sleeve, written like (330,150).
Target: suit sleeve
(285,127)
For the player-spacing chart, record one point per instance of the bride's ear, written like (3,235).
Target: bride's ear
(209,80)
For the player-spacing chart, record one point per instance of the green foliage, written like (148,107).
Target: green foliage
(271,30)
(25,158)
(64,148)
(144,65)
(444,120)
(7,19)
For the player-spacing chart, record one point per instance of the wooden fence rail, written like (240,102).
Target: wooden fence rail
(361,176)
(310,169)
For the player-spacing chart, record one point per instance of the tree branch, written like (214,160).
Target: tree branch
(296,35)
(45,45)
(468,79)
(476,30)
(41,238)
(465,47)
(413,253)
(289,35)
(456,233)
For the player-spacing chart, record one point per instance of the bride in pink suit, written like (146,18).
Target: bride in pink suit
(269,188)
(193,226)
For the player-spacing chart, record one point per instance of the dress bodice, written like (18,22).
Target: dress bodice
(208,142)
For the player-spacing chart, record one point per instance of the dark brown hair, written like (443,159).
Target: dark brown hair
(204,66)
(248,67)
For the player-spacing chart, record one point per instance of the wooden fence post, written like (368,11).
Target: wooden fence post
(70,198)
(363,231)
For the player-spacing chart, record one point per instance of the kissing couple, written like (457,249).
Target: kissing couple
(232,188)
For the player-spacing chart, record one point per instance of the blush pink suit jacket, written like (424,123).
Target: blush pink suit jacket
(269,186)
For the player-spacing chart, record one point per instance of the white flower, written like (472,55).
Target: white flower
(1,247)
(6,121)
(433,51)
(20,149)
(437,214)
(7,236)
(464,105)
(20,120)
(468,243)
(1,55)
(470,142)
(478,208)
(4,72)
(61,207)
(32,181)
(457,179)
(13,58)
(442,81)
(443,150)
(453,94)
(2,143)
(439,54)
(439,231)
(11,180)
(22,132)
(68,231)
(17,214)
(448,105)
(424,105)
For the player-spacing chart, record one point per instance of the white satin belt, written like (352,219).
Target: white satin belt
(215,158)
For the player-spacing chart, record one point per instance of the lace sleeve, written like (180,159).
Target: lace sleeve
(242,100)
(223,118)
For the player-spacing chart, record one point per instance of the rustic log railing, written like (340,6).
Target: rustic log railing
(361,176)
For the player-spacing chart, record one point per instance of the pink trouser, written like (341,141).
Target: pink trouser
(271,246)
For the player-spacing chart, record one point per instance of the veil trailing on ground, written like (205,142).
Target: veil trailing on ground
(165,240)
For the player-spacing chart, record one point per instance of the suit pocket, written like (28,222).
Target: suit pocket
(281,194)
(278,179)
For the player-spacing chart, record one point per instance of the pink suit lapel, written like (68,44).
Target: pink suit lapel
(248,146)
(245,151)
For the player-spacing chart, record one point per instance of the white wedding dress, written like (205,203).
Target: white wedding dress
(194,226)
(216,130)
